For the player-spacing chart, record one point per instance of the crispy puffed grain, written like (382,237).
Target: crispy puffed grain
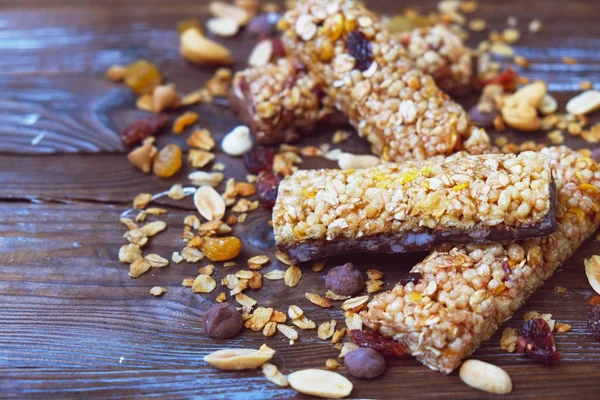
(282,102)
(413,205)
(467,292)
(373,81)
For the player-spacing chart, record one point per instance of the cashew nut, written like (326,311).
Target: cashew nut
(198,49)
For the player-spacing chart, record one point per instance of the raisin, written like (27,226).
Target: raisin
(364,363)
(345,280)
(142,128)
(594,321)
(537,341)
(278,49)
(222,249)
(267,184)
(388,347)
(142,77)
(222,321)
(507,79)
(259,159)
(359,47)
(413,277)
(594,301)
(168,161)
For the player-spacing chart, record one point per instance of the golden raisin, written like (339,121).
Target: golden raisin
(186,119)
(222,249)
(334,27)
(142,77)
(326,51)
(168,161)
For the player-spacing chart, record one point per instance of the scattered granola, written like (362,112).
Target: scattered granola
(508,341)
(158,291)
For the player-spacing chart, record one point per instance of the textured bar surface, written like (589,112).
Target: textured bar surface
(282,102)
(369,74)
(467,292)
(414,205)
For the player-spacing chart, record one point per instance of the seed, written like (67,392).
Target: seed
(584,103)
(238,359)
(352,161)
(487,377)
(209,203)
(320,383)
(237,142)
(224,27)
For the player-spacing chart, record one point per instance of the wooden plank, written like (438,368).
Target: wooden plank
(68,303)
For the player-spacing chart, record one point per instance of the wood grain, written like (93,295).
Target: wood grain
(70,312)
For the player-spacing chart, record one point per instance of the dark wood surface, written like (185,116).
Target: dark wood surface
(69,310)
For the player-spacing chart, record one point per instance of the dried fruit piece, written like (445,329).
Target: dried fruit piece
(142,77)
(168,161)
(536,341)
(388,347)
(320,383)
(238,359)
(411,277)
(484,376)
(222,321)
(238,141)
(142,128)
(198,49)
(184,120)
(259,159)
(345,280)
(222,249)
(594,321)
(209,203)
(359,47)
(267,185)
(592,271)
(365,363)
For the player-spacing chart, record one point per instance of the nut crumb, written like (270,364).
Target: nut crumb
(158,291)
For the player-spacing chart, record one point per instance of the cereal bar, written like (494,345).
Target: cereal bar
(281,102)
(394,208)
(371,78)
(455,299)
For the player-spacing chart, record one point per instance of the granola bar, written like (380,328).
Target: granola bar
(282,102)
(456,299)
(394,208)
(371,78)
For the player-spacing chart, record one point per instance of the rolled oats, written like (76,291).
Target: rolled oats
(245,300)
(326,329)
(274,375)
(292,276)
(274,275)
(270,329)
(278,317)
(200,158)
(204,284)
(334,296)
(202,178)
(142,200)
(353,321)
(259,319)
(192,254)
(338,336)
(156,261)
(207,269)
(304,323)
(201,139)
(153,228)
(138,267)
(295,312)
(288,331)
(355,303)
(317,300)
(129,253)
(188,282)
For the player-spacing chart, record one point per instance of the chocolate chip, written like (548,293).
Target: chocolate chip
(364,363)
(345,280)
(482,119)
(596,154)
(222,321)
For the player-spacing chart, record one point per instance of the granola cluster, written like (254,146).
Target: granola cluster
(369,74)
(465,293)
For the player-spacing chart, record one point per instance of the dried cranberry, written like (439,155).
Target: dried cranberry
(278,49)
(507,79)
(259,159)
(537,341)
(267,184)
(388,347)
(413,277)
(359,47)
(507,270)
(142,128)
(594,321)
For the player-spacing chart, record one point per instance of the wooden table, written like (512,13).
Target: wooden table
(73,324)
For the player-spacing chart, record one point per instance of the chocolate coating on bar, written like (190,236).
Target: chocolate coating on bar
(423,241)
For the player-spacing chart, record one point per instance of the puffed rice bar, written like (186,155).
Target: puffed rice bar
(369,74)
(281,102)
(463,295)
(394,208)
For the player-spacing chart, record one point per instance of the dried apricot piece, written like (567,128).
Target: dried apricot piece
(142,77)
(186,119)
(223,248)
(168,161)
